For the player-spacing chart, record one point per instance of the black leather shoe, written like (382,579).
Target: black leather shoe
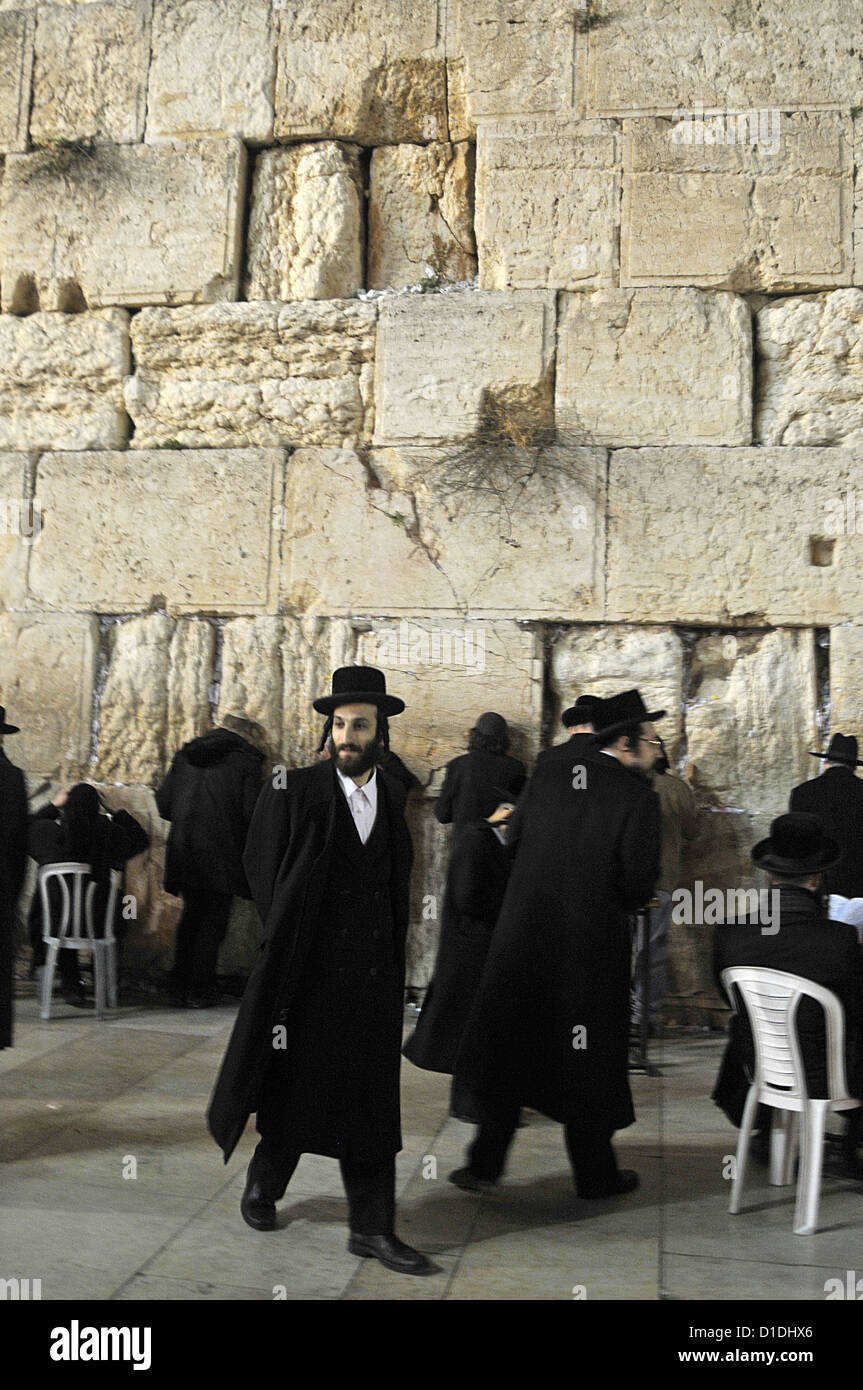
(256,1208)
(391,1252)
(625,1181)
(468,1182)
(77,998)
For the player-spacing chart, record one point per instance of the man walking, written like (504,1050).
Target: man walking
(13,863)
(316,1046)
(836,797)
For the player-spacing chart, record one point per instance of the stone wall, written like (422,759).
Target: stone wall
(514,348)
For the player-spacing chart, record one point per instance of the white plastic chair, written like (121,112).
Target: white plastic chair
(771,998)
(76,932)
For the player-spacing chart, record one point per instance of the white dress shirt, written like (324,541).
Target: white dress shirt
(363,802)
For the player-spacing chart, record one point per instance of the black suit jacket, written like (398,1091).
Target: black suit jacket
(837,797)
(475,784)
(13,826)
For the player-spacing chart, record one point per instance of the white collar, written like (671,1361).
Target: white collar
(349,787)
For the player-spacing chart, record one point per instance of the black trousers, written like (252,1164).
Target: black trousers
(200,933)
(590,1153)
(370,1186)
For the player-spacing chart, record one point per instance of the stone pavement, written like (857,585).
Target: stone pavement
(84,1104)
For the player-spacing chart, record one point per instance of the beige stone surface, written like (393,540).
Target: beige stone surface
(547,203)
(606,660)
(134,700)
(191,665)
(459,364)
(142,876)
(118,224)
(846,682)
(187,530)
(743,536)
(772,215)
(261,373)
(16,63)
(651,57)
(420,531)
(810,369)
(90,72)
(19,526)
(306,234)
(46,684)
(421,208)
(212,70)
(654,366)
(251,682)
(374,72)
(61,380)
(753,716)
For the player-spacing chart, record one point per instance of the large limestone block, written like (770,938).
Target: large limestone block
(182,529)
(743,536)
(61,380)
(454,365)
(191,667)
(142,876)
(810,370)
(251,683)
(212,70)
(421,202)
(265,374)
(16,63)
(654,367)
(650,58)
(46,683)
(119,224)
(20,526)
(431,842)
(305,238)
(547,204)
(606,660)
(846,681)
(448,674)
(752,719)
(428,531)
(371,72)
(776,214)
(90,72)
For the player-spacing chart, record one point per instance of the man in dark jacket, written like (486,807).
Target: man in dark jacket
(316,1046)
(550,1025)
(209,796)
(836,797)
(479,780)
(13,863)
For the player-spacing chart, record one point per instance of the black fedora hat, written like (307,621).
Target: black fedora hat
(4,727)
(493,725)
(796,845)
(582,712)
(621,711)
(842,749)
(359,685)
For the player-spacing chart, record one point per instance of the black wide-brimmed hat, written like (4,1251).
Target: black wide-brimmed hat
(582,712)
(359,685)
(493,725)
(796,845)
(4,727)
(622,711)
(842,749)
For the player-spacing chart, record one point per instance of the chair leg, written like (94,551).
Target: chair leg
(782,1142)
(48,981)
(813,1124)
(99,978)
(792,1144)
(749,1112)
(111,958)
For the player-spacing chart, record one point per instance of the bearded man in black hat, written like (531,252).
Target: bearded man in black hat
(483,777)
(13,864)
(836,797)
(315,1050)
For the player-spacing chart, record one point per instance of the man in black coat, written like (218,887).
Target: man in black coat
(209,797)
(836,797)
(550,1025)
(13,864)
(316,1046)
(478,781)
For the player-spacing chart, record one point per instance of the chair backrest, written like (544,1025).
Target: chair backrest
(76,907)
(771,998)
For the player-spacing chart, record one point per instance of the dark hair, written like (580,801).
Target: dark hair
(77,817)
(632,732)
(382,732)
(487,743)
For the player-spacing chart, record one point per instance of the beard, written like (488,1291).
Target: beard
(352,760)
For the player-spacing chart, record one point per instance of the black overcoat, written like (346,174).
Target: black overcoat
(550,1026)
(13,863)
(837,797)
(287,860)
(475,784)
(476,882)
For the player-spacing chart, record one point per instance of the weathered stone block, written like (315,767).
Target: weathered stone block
(428,531)
(212,70)
(431,842)
(305,238)
(119,224)
(493,380)
(373,73)
(654,367)
(421,200)
(16,64)
(19,526)
(547,200)
(768,215)
(49,666)
(186,530)
(257,373)
(753,717)
(61,380)
(810,370)
(142,876)
(190,674)
(606,660)
(846,682)
(90,72)
(252,679)
(747,537)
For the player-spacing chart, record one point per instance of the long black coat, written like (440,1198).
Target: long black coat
(475,784)
(287,860)
(209,797)
(807,944)
(560,954)
(837,797)
(476,883)
(13,863)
